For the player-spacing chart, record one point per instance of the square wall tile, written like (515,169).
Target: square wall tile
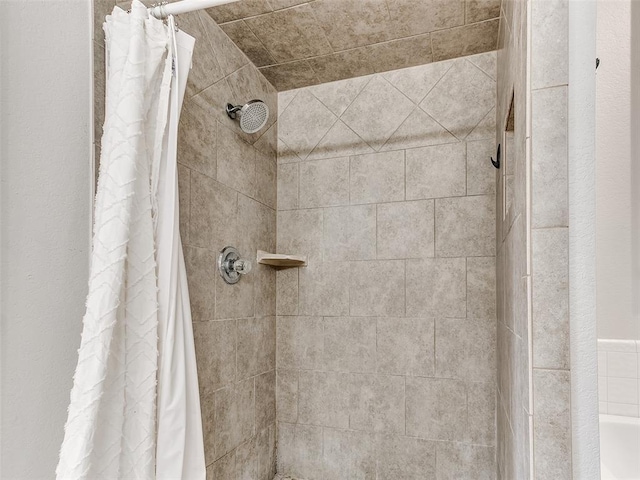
(465,349)
(377,112)
(459,461)
(465,226)
(350,233)
(300,451)
(405,230)
(405,346)
(436,408)
(348,451)
(324,288)
(437,171)
(323,399)
(436,287)
(377,178)
(300,232)
(463,96)
(290,34)
(235,301)
(361,30)
(405,457)
(377,403)
(303,123)
(300,342)
(377,288)
(324,183)
(350,344)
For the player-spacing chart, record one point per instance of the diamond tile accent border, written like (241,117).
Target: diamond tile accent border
(440,103)
(461,99)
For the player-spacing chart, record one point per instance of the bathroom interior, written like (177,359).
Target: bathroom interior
(426,226)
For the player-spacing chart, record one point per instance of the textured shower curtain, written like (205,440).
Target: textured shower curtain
(135,386)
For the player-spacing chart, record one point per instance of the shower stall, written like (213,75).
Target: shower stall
(426,332)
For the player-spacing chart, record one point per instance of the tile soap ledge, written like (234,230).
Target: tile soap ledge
(281,260)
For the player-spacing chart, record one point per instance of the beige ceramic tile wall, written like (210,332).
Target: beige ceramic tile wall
(533,416)
(298,43)
(227,183)
(513,258)
(386,341)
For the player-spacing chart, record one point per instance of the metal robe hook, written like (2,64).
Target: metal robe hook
(496,163)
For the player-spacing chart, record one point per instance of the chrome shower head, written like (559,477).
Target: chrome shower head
(253,115)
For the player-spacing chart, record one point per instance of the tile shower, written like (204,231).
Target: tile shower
(378,359)
(386,340)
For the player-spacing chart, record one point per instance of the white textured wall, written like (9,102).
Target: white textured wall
(613,172)
(635,155)
(45,124)
(582,246)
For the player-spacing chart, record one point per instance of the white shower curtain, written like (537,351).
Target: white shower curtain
(137,305)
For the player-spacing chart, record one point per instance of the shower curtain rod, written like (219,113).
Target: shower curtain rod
(165,9)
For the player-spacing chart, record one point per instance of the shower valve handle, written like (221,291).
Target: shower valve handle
(231,266)
(241,266)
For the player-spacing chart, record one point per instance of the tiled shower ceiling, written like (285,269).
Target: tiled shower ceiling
(296,43)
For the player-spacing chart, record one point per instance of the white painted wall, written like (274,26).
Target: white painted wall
(45,130)
(615,300)
(635,158)
(582,241)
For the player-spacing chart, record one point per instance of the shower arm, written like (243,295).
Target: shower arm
(164,9)
(232,110)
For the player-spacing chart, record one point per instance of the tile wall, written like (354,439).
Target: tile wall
(386,341)
(228,197)
(533,416)
(618,377)
(514,408)
(298,43)
(227,182)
